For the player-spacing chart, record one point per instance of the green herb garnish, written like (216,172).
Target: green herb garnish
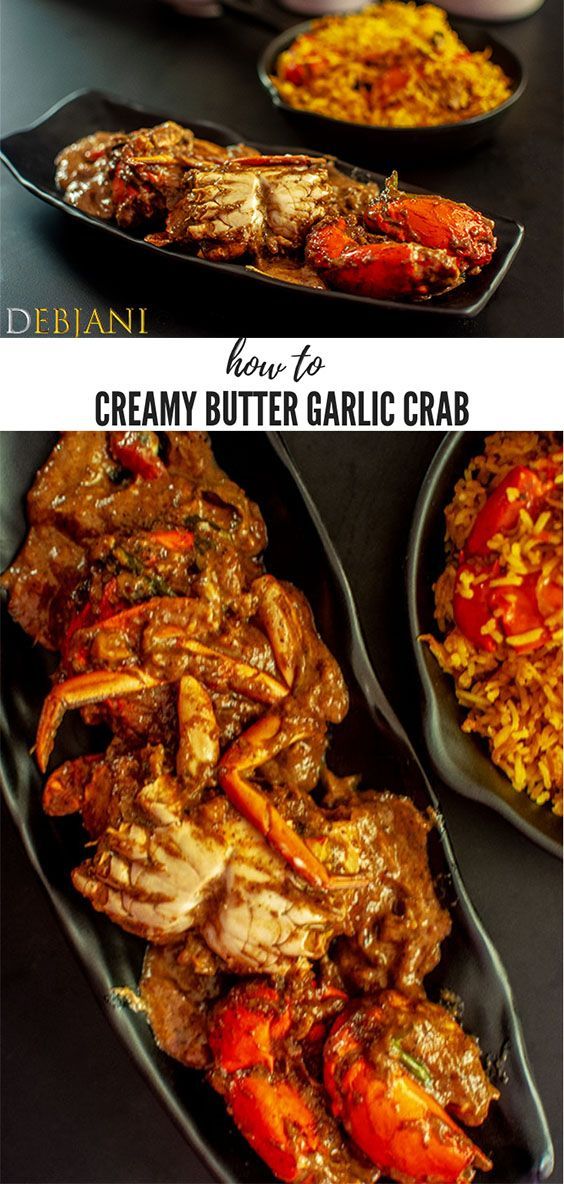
(155,584)
(418,1069)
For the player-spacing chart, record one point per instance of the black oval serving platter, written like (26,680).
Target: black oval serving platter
(30,156)
(398,144)
(461,760)
(371,741)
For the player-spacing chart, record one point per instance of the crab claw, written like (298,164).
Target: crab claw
(350,261)
(388,1113)
(246,1026)
(277,1121)
(274,1106)
(433,221)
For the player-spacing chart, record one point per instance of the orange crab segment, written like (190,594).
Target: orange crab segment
(403,1130)
(392,1118)
(172,540)
(138,452)
(268,1106)
(246,1027)
(84,689)
(260,743)
(351,262)
(433,221)
(277,1121)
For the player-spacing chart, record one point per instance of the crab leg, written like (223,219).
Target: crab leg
(198,733)
(84,689)
(260,743)
(279,619)
(140,614)
(228,672)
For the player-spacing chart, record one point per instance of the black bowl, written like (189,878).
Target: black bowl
(461,760)
(371,740)
(384,147)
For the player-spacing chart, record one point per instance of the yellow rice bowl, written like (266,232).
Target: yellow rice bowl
(393,64)
(513,700)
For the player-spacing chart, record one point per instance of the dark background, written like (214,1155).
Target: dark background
(75,1109)
(206,68)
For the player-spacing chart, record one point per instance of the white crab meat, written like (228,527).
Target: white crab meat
(261,921)
(295,198)
(211,871)
(252,206)
(224,210)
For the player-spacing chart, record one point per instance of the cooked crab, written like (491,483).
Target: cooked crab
(294,217)
(162,869)
(324,1087)
(217,830)
(135,177)
(250,206)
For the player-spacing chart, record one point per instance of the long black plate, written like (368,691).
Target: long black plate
(29,155)
(371,741)
(461,760)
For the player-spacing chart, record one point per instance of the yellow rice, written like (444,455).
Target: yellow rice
(514,700)
(393,64)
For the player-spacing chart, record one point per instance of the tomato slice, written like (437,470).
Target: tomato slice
(500,514)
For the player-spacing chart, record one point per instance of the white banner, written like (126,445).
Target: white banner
(295,384)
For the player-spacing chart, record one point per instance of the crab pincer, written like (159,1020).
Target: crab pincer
(274,1103)
(384,1098)
(387,1099)
(268,1106)
(348,259)
(435,222)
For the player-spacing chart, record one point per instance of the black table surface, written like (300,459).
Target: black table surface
(76,1111)
(206,68)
